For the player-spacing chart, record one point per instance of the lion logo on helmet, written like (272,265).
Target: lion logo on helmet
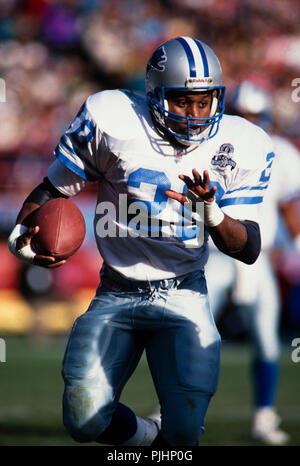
(158,58)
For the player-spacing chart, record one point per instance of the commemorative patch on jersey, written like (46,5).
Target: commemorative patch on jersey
(158,59)
(224,157)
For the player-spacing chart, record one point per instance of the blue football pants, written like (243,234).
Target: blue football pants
(172,322)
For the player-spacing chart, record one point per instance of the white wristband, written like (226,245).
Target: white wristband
(213,215)
(26,254)
(297,243)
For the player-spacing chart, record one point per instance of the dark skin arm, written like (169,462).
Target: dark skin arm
(25,239)
(290,212)
(230,236)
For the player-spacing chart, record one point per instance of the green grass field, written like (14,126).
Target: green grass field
(31,389)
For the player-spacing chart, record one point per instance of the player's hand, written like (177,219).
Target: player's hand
(200,187)
(43,261)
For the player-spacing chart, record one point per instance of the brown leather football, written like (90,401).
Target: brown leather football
(62,228)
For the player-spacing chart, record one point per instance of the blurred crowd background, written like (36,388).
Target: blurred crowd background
(53,54)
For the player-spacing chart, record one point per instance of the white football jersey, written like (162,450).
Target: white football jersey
(138,229)
(284,186)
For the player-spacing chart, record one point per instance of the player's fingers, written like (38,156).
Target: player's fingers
(211,194)
(26,237)
(174,195)
(56,264)
(187,180)
(197,177)
(206,179)
(213,190)
(31,232)
(40,259)
(47,261)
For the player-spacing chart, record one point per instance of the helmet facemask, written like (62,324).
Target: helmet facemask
(197,129)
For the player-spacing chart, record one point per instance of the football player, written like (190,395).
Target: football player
(172,170)
(254,289)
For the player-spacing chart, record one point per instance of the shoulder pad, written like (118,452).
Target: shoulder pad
(117,112)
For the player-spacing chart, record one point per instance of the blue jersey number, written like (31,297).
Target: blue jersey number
(160,182)
(265,176)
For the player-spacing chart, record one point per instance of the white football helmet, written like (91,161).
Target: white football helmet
(185,64)
(248,98)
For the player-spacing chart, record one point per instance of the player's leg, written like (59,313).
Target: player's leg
(102,352)
(183,358)
(220,276)
(264,322)
(262,319)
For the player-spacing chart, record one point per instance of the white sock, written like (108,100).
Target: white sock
(146,432)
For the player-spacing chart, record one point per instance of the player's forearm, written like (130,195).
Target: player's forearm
(230,235)
(26,210)
(41,194)
(19,240)
(238,239)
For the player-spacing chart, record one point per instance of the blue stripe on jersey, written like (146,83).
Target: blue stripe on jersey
(204,58)
(244,188)
(258,187)
(72,166)
(86,124)
(66,146)
(190,56)
(241,200)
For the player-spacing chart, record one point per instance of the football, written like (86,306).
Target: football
(62,228)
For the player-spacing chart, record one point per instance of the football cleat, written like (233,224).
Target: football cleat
(266,427)
(147,430)
(155,415)
(152,427)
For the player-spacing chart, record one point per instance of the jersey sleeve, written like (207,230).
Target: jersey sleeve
(287,170)
(245,193)
(66,181)
(82,147)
